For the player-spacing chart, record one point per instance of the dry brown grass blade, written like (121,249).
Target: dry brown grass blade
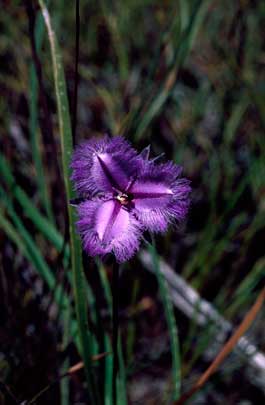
(68,373)
(228,347)
(80,365)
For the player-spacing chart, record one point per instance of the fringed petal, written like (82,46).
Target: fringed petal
(106,226)
(103,165)
(159,197)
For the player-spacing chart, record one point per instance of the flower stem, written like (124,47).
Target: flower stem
(115,322)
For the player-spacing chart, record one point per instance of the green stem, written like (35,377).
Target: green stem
(115,320)
(171,322)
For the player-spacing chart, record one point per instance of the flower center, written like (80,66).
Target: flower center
(123,198)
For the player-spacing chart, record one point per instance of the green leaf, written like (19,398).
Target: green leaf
(122,399)
(25,243)
(33,123)
(182,50)
(30,210)
(171,322)
(75,246)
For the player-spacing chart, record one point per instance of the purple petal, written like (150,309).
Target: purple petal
(149,194)
(105,226)
(103,165)
(159,196)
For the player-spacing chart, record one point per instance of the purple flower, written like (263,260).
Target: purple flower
(124,194)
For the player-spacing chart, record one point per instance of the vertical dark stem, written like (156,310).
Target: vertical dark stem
(115,320)
(75,99)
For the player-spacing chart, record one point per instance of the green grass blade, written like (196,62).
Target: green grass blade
(206,242)
(108,372)
(171,322)
(75,246)
(34,253)
(15,237)
(235,119)
(113,20)
(185,45)
(122,397)
(217,249)
(29,209)
(64,384)
(247,286)
(25,243)
(184,14)
(33,124)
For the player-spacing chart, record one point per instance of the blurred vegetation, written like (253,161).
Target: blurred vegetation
(188,78)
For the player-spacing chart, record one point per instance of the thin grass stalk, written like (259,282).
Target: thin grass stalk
(108,373)
(157,101)
(26,243)
(39,220)
(107,343)
(29,249)
(75,246)
(113,21)
(35,142)
(33,122)
(38,97)
(247,287)
(64,383)
(171,322)
(115,320)
(121,380)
